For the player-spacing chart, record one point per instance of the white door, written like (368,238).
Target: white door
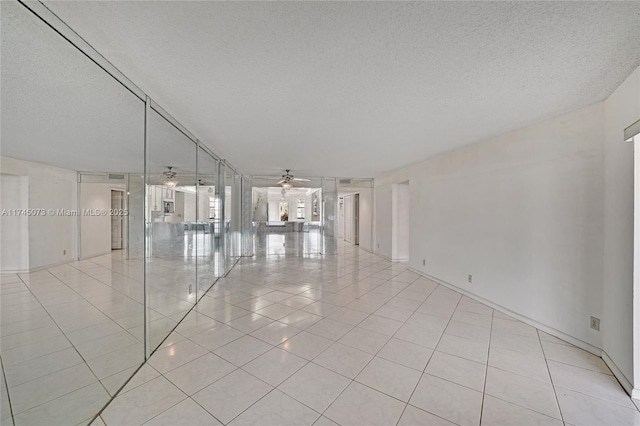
(356,219)
(351,218)
(116,219)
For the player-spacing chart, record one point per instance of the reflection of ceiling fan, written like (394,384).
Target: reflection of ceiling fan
(287,180)
(170,180)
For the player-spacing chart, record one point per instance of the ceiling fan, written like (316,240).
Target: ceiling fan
(287,180)
(170,181)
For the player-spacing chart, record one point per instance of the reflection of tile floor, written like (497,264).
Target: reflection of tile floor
(357,340)
(72,334)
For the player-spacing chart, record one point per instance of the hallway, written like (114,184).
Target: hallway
(357,340)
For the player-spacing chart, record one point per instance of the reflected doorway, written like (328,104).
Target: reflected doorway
(352,218)
(117,217)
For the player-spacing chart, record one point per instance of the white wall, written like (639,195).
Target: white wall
(274,211)
(136,219)
(341,217)
(621,109)
(14,244)
(188,213)
(523,213)
(366,217)
(349,218)
(308,203)
(400,225)
(204,201)
(95,231)
(52,239)
(383,216)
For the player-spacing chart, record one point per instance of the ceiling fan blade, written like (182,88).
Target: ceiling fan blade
(302,180)
(282,181)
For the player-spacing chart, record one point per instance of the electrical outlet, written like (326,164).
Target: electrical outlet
(190,288)
(595,323)
(470,278)
(378,245)
(64,252)
(424,262)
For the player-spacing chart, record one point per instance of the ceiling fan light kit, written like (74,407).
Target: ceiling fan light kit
(287,180)
(170,181)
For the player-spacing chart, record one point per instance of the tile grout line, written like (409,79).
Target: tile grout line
(486,367)
(553,386)
(311,361)
(72,345)
(4,377)
(153,352)
(431,356)
(117,393)
(307,363)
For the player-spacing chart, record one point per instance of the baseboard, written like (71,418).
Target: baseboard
(635,393)
(97,254)
(624,382)
(37,268)
(383,256)
(14,271)
(388,258)
(552,331)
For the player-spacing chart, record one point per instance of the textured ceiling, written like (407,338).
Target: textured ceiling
(357,88)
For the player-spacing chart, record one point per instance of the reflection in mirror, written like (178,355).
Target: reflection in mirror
(171,184)
(248,247)
(72,274)
(329,215)
(232,217)
(209,246)
(287,221)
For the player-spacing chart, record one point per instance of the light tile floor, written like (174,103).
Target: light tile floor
(71,335)
(356,340)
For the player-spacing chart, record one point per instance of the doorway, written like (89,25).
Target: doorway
(117,228)
(352,218)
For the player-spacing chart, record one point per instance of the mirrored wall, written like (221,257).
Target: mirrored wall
(115,222)
(298,220)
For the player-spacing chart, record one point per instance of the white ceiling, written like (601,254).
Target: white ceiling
(357,88)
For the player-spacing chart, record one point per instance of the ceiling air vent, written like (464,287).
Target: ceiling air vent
(113,176)
(345,181)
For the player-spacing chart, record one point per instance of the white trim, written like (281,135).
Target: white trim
(626,384)
(388,258)
(37,268)
(383,256)
(624,381)
(100,254)
(552,331)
